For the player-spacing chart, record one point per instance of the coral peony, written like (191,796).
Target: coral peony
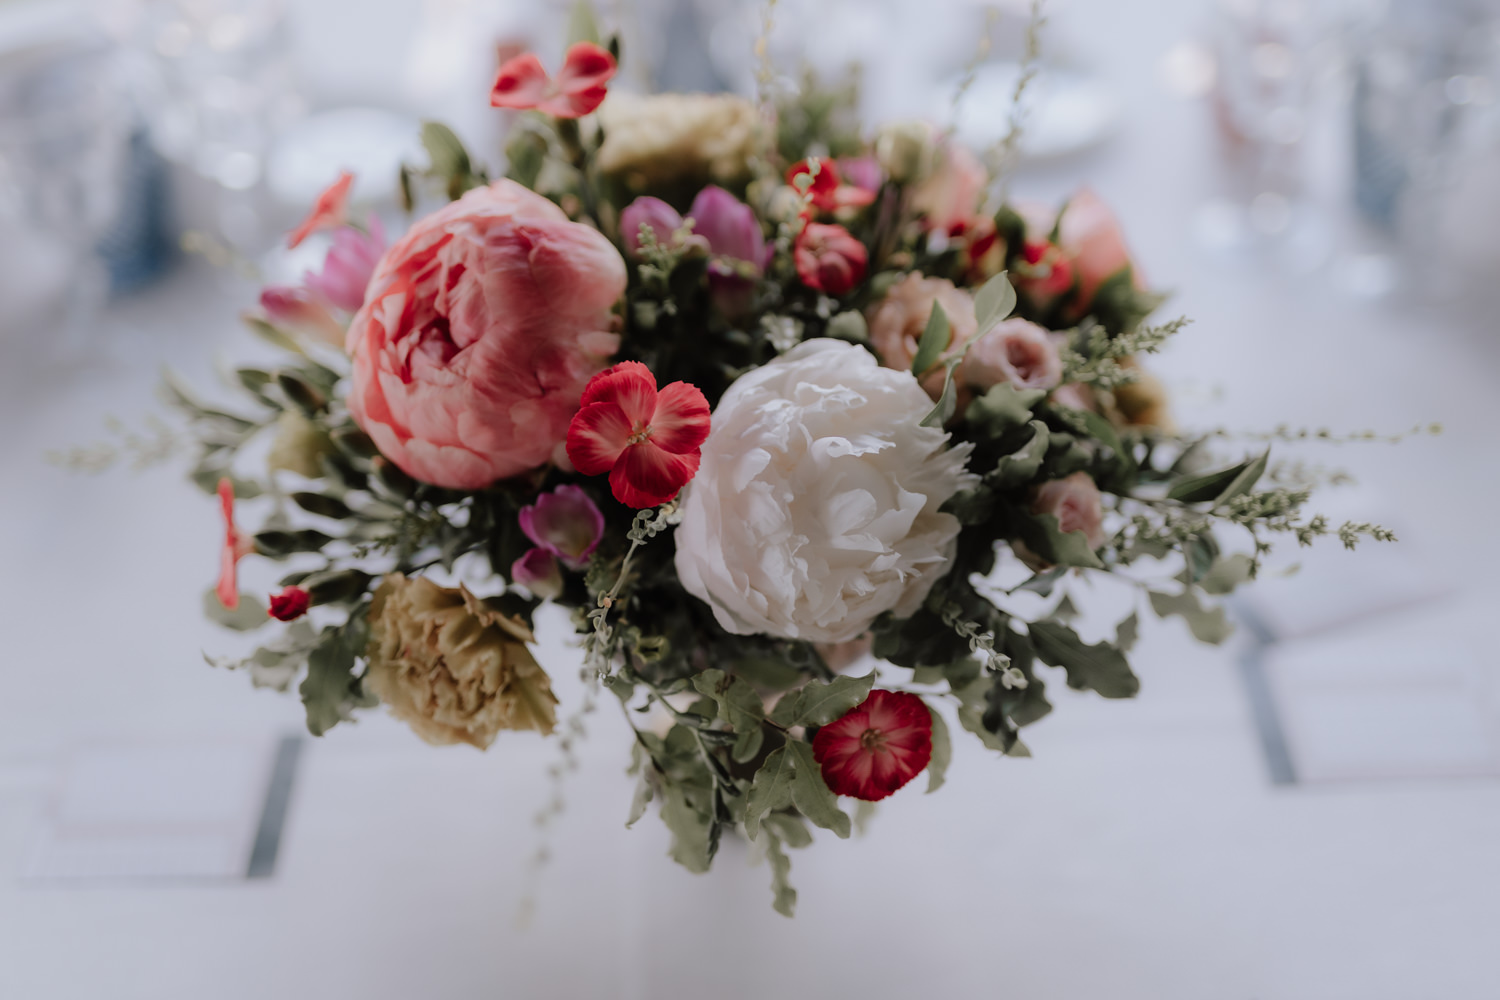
(828,259)
(289,605)
(329,211)
(579,88)
(482,326)
(877,747)
(818,505)
(647,440)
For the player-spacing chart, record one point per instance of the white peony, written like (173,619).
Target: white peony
(815,509)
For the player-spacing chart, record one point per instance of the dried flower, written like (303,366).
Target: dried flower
(877,747)
(455,668)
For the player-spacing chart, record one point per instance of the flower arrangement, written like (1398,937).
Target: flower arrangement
(757,397)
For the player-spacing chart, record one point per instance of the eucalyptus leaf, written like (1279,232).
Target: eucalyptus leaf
(692,831)
(1227,573)
(942,752)
(818,704)
(1208,625)
(770,790)
(810,793)
(784,897)
(1221,485)
(249,614)
(935,339)
(1002,408)
(445,151)
(994,301)
(1246,480)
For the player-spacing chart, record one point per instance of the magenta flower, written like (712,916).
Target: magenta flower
(538,572)
(349,266)
(564,523)
(732,231)
(661,218)
(862,172)
(297,309)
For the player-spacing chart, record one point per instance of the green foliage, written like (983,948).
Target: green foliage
(942,752)
(771,789)
(331,691)
(994,302)
(936,337)
(818,704)
(1208,624)
(448,161)
(1099,667)
(739,707)
(249,614)
(810,794)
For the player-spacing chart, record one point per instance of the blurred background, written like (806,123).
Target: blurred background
(1310,811)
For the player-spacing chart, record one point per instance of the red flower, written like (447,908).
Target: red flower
(827,192)
(877,747)
(235,548)
(578,89)
(828,259)
(646,440)
(330,211)
(290,604)
(1048,273)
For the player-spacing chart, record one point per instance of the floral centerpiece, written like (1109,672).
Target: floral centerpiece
(763,399)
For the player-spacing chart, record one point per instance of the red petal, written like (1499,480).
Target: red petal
(228,589)
(587,67)
(328,211)
(596,437)
(628,384)
(682,418)
(646,476)
(573,105)
(521,83)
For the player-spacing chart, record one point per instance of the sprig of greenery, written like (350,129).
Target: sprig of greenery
(143,449)
(982,642)
(1093,357)
(599,646)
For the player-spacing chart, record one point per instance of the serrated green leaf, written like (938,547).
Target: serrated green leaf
(1099,667)
(811,794)
(942,752)
(1226,574)
(739,706)
(1127,632)
(935,339)
(790,827)
(1022,465)
(249,614)
(784,897)
(818,704)
(770,790)
(994,301)
(692,831)
(1208,625)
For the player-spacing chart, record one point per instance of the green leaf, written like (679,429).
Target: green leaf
(972,706)
(1227,573)
(1044,535)
(639,801)
(302,393)
(818,704)
(330,689)
(692,831)
(739,706)
(771,790)
(935,339)
(445,151)
(942,752)
(810,793)
(273,335)
(249,614)
(1199,552)
(1221,485)
(993,303)
(1099,667)
(1002,408)
(947,404)
(280,544)
(1022,465)
(1127,632)
(850,326)
(784,897)
(1208,625)
(790,828)
(322,505)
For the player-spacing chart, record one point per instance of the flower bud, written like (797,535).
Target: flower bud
(904,151)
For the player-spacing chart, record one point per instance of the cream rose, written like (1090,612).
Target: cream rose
(1016,351)
(816,506)
(453,667)
(651,141)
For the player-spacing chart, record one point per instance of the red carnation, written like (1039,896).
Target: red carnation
(646,440)
(579,88)
(290,604)
(828,259)
(877,747)
(1048,273)
(828,192)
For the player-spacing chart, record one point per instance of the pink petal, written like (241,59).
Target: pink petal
(681,421)
(597,436)
(586,67)
(646,476)
(330,209)
(630,385)
(521,83)
(573,105)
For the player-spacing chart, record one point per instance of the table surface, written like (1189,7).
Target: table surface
(1141,852)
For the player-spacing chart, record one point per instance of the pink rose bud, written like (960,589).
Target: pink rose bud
(539,573)
(565,523)
(302,312)
(828,259)
(349,266)
(481,327)
(1076,503)
(1016,351)
(662,219)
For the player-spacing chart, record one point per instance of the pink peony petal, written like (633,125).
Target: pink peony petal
(521,83)
(646,475)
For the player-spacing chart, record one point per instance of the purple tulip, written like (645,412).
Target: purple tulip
(653,212)
(564,523)
(731,229)
(349,265)
(538,572)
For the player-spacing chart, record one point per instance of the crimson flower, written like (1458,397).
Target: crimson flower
(877,747)
(523,83)
(235,548)
(1048,272)
(290,604)
(330,211)
(828,259)
(646,440)
(828,192)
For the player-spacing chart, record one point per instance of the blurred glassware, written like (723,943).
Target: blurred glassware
(64,129)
